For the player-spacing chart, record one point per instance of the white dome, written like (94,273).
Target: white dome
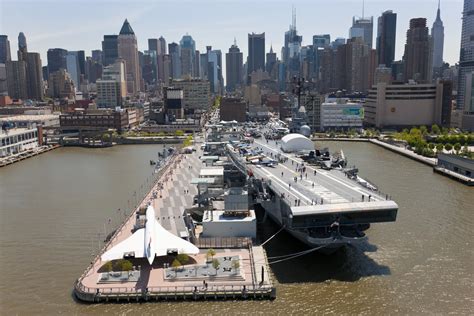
(295,143)
(305,130)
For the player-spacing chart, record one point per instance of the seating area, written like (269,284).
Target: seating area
(119,277)
(225,270)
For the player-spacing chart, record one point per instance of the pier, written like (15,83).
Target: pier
(170,194)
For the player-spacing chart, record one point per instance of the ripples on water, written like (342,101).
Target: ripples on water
(53,206)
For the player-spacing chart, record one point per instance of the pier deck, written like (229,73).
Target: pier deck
(171,186)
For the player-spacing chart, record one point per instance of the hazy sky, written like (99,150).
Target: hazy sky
(81,24)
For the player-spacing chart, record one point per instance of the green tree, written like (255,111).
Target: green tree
(107,267)
(431,146)
(439,147)
(211,253)
(124,265)
(457,148)
(236,264)
(175,265)
(182,258)
(448,147)
(423,130)
(216,264)
(179,133)
(435,129)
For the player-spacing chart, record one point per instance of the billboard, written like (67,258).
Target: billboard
(354,112)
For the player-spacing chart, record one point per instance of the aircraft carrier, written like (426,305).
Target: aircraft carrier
(322,206)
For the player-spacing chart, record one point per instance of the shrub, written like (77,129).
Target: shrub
(216,264)
(435,129)
(457,147)
(211,252)
(439,147)
(107,267)
(179,133)
(182,258)
(123,265)
(235,264)
(448,147)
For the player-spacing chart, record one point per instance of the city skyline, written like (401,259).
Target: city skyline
(89,37)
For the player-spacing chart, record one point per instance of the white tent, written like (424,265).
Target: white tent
(295,143)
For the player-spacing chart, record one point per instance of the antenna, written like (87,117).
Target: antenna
(235,41)
(363,8)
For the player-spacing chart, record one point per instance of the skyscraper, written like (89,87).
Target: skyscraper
(72,67)
(97,56)
(386,35)
(174,52)
(4,49)
(56,59)
(437,34)
(321,41)
(128,51)
(35,76)
(22,47)
(256,54)
(161,46)
(17,79)
(234,63)
(291,52)
(417,57)
(271,64)
(188,55)
(362,27)
(153,44)
(109,49)
(465,100)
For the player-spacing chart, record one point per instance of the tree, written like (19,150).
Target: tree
(182,258)
(435,129)
(236,264)
(124,265)
(179,133)
(211,252)
(107,267)
(431,146)
(175,265)
(448,146)
(216,264)
(423,130)
(439,147)
(457,147)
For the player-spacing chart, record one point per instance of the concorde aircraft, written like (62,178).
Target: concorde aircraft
(148,242)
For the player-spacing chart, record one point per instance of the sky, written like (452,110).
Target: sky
(81,24)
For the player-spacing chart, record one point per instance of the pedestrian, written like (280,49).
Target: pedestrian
(306,175)
(299,202)
(289,185)
(282,174)
(313,185)
(314,172)
(296,202)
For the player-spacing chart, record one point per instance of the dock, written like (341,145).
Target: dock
(25,155)
(170,194)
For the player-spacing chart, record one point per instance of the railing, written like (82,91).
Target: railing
(162,171)
(197,288)
(223,242)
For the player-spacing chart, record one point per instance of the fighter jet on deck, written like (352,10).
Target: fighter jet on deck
(148,242)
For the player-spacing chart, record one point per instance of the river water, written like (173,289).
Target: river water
(54,206)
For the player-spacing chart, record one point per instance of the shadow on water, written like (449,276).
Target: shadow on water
(349,263)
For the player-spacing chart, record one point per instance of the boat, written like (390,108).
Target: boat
(325,206)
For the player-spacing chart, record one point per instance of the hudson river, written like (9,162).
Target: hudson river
(54,206)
